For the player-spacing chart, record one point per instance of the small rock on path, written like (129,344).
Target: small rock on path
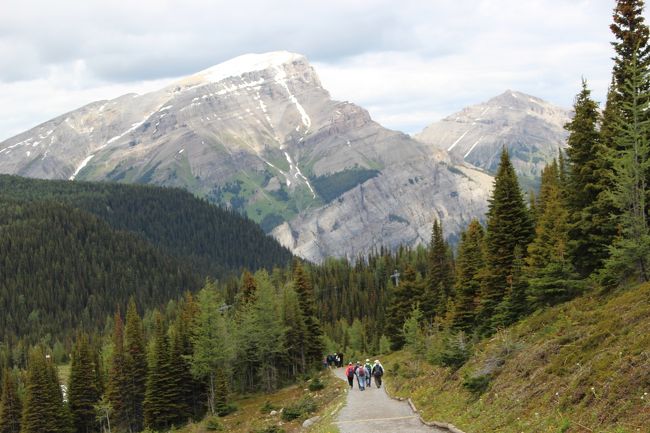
(373,411)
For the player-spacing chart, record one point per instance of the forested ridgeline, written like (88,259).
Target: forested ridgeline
(212,240)
(63,269)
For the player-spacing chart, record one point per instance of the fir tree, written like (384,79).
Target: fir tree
(551,274)
(314,338)
(470,265)
(117,387)
(159,404)
(295,332)
(508,225)
(43,411)
(10,404)
(440,278)
(135,367)
(83,392)
(589,230)
(630,252)
(248,288)
(515,303)
(211,341)
(407,292)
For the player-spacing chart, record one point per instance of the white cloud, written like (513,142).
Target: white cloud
(408,62)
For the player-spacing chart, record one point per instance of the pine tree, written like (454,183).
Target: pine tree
(470,265)
(135,367)
(508,225)
(440,277)
(314,338)
(211,341)
(551,274)
(248,288)
(515,304)
(630,252)
(407,292)
(295,332)
(159,401)
(44,411)
(10,404)
(589,230)
(83,393)
(117,388)
(193,389)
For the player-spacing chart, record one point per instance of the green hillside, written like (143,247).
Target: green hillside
(212,240)
(64,269)
(583,366)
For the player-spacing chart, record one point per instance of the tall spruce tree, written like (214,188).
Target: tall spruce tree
(508,225)
(552,277)
(10,404)
(630,252)
(212,343)
(117,388)
(589,228)
(44,410)
(515,303)
(405,295)
(314,346)
(135,368)
(83,392)
(295,332)
(159,405)
(470,265)
(440,276)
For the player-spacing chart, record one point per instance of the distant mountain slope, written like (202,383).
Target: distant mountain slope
(211,240)
(63,269)
(259,134)
(530,128)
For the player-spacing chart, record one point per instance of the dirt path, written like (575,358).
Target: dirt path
(372,411)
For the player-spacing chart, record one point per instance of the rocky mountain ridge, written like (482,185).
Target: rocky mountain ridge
(261,135)
(530,128)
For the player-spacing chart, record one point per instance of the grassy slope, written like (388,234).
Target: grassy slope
(579,367)
(249,417)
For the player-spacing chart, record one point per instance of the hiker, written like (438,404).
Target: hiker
(377,372)
(349,372)
(340,359)
(360,371)
(368,367)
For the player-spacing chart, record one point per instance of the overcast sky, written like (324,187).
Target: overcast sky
(409,62)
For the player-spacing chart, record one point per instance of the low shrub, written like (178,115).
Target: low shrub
(477,385)
(213,424)
(302,407)
(316,384)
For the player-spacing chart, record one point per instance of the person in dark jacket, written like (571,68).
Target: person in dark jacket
(377,372)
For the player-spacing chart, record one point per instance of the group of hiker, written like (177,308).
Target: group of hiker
(334,360)
(364,374)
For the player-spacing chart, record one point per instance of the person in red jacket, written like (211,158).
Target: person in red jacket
(349,373)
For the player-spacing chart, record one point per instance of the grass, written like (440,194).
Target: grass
(583,366)
(250,416)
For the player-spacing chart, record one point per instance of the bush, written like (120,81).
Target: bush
(316,385)
(303,407)
(213,424)
(226,409)
(268,407)
(455,352)
(477,385)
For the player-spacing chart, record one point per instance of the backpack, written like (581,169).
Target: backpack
(361,371)
(368,368)
(378,371)
(350,371)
